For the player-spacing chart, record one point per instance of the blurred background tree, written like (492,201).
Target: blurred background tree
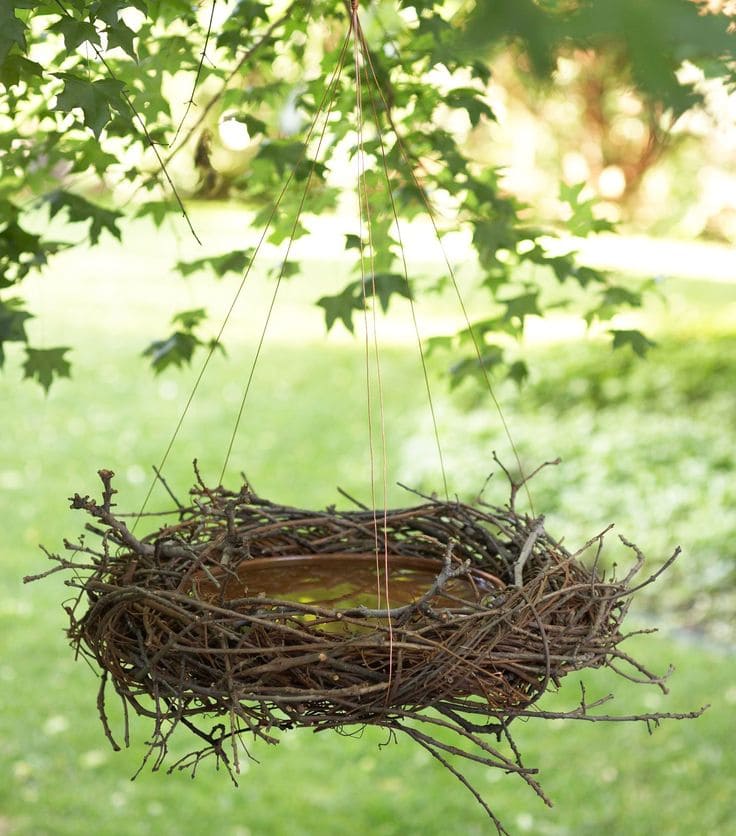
(597,119)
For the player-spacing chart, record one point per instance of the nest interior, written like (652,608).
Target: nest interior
(442,616)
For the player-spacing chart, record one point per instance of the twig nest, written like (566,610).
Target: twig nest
(443,615)
(243,600)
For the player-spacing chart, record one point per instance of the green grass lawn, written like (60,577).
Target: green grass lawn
(649,446)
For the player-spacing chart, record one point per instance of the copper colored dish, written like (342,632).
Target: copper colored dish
(343,581)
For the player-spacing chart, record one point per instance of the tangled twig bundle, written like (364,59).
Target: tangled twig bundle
(255,613)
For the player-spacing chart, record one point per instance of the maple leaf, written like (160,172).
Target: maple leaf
(640,345)
(341,306)
(79,210)
(96,99)
(46,364)
(12,31)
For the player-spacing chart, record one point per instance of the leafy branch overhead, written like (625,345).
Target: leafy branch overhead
(95,75)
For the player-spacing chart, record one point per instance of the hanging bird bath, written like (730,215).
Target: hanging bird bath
(270,618)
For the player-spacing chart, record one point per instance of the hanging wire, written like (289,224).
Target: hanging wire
(361,248)
(371,326)
(451,271)
(328,95)
(405,273)
(333,87)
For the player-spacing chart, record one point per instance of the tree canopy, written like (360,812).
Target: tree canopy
(86,111)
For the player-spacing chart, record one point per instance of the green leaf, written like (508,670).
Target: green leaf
(342,306)
(46,364)
(243,17)
(21,251)
(97,99)
(353,242)
(284,229)
(481,71)
(470,100)
(582,221)
(385,285)
(12,31)
(15,242)
(479,330)
(570,192)
(618,296)
(518,372)
(119,35)
(643,43)
(177,350)
(75,32)
(610,302)
(189,320)
(286,270)
(255,126)
(497,278)
(588,275)
(12,324)
(157,210)
(563,266)
(442,342)
(640,345)
(491,357)
(381,284)
(522,306)
(521,20)
(235,261)
(109,10)
(282,154)
(87,154)
(489,236)
(16,68)
(655,37)
(80,210)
